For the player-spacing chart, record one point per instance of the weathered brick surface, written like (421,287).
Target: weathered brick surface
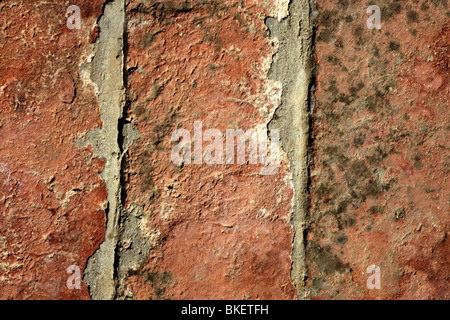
(378,165)
(51,196)
(380,186)
(217,231)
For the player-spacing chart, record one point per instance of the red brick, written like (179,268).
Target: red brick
(51,199)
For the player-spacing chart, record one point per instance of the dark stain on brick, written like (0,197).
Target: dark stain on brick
(376,155)
(375,102)
(147,180)
(158,282)
(412,17)
(438,3)
(394,46)
(211,37)
(424,7)
(149,37)
(329,18)
(373,189)
(359,169)
(356,88)
(376,209)
(342,4)
(336,156)
(325,35)
(390,10)
(348,19)
(341,239)
(154,92)
(161,9)
(417,164)
(359,140)
(154,195)
(358,32)
(162,129)
(327,262)
(375,51)
(139,110)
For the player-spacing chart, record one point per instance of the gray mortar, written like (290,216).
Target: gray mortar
(133,249)
(292,66)
(107,73)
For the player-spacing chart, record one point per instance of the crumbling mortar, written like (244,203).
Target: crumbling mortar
(106,71)
(293,66)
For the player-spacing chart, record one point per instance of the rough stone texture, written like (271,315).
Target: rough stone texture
(52,198)
(86,177)
(379,180)
(216,231)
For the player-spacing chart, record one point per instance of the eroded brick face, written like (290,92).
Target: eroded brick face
(218,231)
(379,181)
(51,196)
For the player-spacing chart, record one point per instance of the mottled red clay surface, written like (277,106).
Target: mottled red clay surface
(380,188)
(51,198)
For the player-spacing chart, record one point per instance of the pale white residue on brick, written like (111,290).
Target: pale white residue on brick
(279,9)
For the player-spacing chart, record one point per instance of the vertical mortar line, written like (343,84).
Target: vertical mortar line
(302,152)
(107,73)
(123,148)
(292,66)
(311,104)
